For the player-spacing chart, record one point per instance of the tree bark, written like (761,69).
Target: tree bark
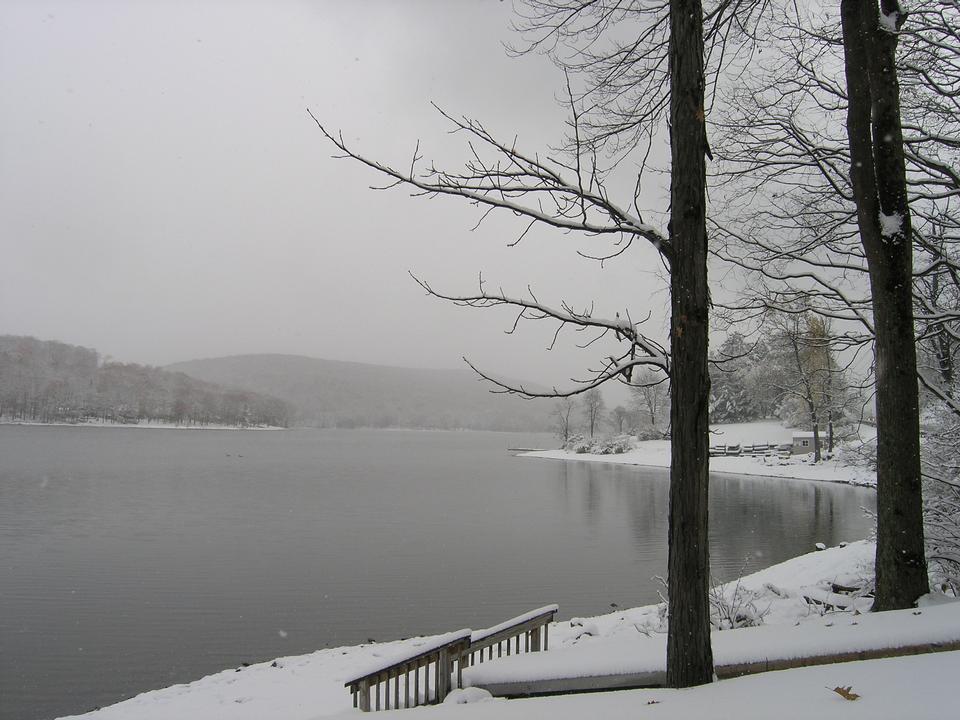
(689,655)
(878,177)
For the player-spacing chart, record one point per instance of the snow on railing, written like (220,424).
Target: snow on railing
(434,660)
(531,626)
(443,659)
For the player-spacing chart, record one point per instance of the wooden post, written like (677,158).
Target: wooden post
(535,640)
(416,684)
(426,682)
(365,695)
(546,632)
(443,674)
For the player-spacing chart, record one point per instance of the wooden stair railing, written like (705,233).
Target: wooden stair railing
(444,656)
(531,627)
(433,662)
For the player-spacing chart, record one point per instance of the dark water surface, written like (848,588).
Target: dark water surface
(132,559)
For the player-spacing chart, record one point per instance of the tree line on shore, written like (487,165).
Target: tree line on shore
(53,382)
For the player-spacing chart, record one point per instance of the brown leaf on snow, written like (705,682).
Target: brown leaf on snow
(845,692)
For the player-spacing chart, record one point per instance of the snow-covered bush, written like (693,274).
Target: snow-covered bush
(600,445)
(734,606)
(613,445)
(577,443)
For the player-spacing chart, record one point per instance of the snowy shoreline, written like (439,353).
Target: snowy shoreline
(311,686)
(656,454)
(828,471)
(141,426)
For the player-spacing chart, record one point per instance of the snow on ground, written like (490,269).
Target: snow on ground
(843,468)
(819,636)
(312,686)
(915,687)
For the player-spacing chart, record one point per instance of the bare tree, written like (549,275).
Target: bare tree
(658,74)
(651,395)
(878,177)
(563,416)
(853,185)
(790,217)
(806,373)
(593,406)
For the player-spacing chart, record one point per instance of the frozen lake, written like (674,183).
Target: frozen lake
(131,559)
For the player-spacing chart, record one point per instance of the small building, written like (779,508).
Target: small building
(802,443)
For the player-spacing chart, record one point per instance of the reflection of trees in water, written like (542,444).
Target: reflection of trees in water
(754,522)
(601,489)
(767,521)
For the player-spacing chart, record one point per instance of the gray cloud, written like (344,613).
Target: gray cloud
(164,196)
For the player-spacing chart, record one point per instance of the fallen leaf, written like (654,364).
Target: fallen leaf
(845,692)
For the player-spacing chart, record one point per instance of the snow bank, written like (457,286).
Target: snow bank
(830,635)
(914,687)
(656,453)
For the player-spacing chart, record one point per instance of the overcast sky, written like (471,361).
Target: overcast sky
(165,196)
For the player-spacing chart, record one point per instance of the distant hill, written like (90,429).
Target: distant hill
(329,393)
(52,382)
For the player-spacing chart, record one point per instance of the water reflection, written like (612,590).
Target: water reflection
(754,521)
(134,559)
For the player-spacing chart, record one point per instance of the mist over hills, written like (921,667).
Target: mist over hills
(332,393)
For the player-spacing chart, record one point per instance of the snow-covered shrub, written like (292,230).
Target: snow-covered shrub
(650,434)
(613,445)
(577,443)
(600,445)
(735,606)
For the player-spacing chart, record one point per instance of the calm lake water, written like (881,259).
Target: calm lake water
(133,559)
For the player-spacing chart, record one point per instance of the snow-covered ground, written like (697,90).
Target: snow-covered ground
(311,686)
(844,467)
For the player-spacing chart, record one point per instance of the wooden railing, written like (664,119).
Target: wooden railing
(531,628)
(432,671)
(761,449)
(434,662)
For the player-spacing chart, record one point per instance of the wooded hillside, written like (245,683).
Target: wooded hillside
(44,381)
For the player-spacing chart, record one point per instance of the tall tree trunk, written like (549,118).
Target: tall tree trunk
(689,656)
(878,177)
